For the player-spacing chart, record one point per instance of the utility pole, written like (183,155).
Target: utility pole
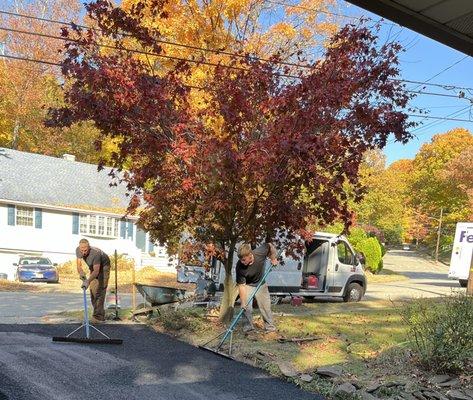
(438,236)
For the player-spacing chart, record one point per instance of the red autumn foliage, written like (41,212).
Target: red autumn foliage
(263,154)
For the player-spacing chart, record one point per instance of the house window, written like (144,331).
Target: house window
(92,224)
(116,228)
(84,223)
(24,216)
(98,225)
(110,226)
(101,226)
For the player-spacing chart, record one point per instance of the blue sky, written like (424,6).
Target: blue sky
(423,59)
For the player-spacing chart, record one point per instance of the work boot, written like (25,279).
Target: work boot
(96,321)
(270,328)
(248,328)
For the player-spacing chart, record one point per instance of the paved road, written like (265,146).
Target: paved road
(426,278)
(30,307)
(147,366)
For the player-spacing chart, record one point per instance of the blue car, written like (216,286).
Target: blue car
(36,269)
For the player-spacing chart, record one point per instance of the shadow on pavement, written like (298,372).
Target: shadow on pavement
(424,275)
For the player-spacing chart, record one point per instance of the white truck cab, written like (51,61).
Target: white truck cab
(462,253)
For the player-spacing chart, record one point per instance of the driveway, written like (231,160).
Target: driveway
(31,307)
(147,366)
(426,278)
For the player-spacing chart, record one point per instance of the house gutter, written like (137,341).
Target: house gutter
(67,209)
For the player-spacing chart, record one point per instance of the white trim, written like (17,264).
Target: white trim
(68,209)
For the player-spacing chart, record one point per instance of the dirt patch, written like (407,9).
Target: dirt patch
(7,286)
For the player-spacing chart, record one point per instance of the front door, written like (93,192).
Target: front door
(342,267)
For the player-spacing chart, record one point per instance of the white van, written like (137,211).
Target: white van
(330,269)
(462,253)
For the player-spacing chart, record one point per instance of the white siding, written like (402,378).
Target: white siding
(56,241)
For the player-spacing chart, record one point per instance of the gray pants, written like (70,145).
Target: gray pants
(264,304)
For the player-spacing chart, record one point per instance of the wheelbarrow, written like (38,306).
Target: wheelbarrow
(157,296)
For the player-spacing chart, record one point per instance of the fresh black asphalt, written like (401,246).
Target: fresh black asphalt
(147,366)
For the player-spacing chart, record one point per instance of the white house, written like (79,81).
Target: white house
(48,204)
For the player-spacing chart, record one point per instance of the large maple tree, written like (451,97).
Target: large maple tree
(264,154)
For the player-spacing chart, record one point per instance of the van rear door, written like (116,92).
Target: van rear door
(285,278)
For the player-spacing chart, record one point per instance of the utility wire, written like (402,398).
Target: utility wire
(437,123)
(216,51)
(446,87)
(34,60)
(201,88)
(106,46)
(315,10)
(443,70)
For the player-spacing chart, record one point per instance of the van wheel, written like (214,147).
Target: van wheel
(463,282)
(275,300)
(353,293)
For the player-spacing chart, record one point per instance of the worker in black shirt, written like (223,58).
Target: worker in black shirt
(249,272)
(98,263)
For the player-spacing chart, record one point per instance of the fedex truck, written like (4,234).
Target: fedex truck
(462,253)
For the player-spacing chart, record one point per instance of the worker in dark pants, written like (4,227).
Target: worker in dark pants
(99,266)
(249,272)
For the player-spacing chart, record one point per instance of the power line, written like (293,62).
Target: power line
(201,88)
(437,123)
(215,64)
(31,60)
(441,95)
(445,69)
(444,86)
(196,87)
(34,60)
(215,51)
(440,118)
(316,10)
(143,52)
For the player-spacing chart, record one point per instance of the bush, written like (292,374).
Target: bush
(371,249)
(356,236)
(123,263)
(69,267)
(393,235)
(442,332)
(383,248)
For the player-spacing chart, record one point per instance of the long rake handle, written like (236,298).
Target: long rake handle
(86,314)
(242,310)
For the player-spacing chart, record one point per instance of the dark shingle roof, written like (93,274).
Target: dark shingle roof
(45,180)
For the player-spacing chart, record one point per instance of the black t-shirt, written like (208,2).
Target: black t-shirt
(95,256)
(252,274)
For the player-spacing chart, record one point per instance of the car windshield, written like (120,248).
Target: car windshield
(34,261)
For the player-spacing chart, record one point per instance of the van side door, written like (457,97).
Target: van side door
(343,266)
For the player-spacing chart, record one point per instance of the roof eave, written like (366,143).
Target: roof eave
(419,23)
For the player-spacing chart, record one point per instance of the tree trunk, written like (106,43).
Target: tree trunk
(16,134)
(230,290)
